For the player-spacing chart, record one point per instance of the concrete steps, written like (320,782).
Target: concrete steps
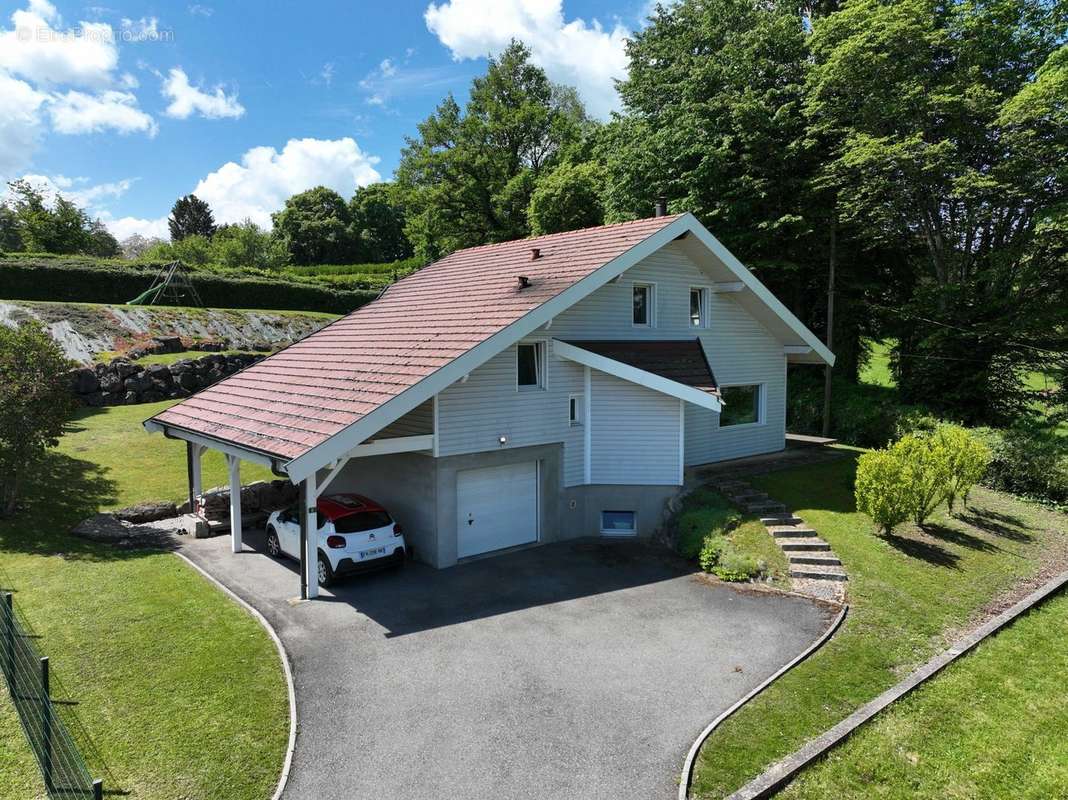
(809,556)
(818,572)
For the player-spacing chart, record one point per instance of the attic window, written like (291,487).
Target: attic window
(530,366)
(644,305)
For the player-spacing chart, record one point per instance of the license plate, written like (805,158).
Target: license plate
(377,551)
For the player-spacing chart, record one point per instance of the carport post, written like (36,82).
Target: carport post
(234,463)
(309,540)
(192,465)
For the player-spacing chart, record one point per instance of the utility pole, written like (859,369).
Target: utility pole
(831,264)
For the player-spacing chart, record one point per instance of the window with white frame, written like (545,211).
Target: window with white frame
(644,304)
(618,523)
(574,409)
(698,307)
(530,366)
(742,405)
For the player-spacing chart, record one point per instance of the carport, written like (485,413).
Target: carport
(310,478)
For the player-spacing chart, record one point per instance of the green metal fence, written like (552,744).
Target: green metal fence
(26,672)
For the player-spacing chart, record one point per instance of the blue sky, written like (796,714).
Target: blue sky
(127,106)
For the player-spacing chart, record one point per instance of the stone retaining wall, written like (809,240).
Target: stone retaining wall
(121,382)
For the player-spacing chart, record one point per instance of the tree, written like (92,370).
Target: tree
(940,154)
(715,121)
(378,219)
(190,216)
(316,228)
(135,246)
(101,243)
(35,402)
(61,227)
(567,198)
(193,251)
(10,238)
(247,245)
(468,176)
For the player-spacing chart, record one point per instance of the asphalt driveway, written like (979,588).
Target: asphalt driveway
(581,669)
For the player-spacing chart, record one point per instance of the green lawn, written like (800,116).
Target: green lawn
(180,692)
(993,725)
(877,370)
(907,593)
(168,358)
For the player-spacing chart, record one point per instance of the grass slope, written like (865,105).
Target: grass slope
(993,725)
(180,692)
(906,593)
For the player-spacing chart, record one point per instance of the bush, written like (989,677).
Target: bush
(968,458)
(1030,461)
(711,550)
(883,489)
(926,462)
(704,513)
(734,565)
(67,281)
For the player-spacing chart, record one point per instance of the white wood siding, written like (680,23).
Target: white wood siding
(739,349)
(635,434)
(417,422)
(473,415)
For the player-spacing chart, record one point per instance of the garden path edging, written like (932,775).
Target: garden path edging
(287,763)
(691,757)
(781,773)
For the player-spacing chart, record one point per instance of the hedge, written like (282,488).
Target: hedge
(75,283)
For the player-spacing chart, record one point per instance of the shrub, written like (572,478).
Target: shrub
(711,550)
(968,459)
(35,403)
(734,565)
(883,489)
(1027,461)
(704,513)
(926,462)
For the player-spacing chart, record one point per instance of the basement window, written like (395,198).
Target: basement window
(530,366)
(618,523)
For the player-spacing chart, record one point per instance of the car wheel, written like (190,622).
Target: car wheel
(274,547)
(326,574)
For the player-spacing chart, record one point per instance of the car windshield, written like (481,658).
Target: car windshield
(362,521)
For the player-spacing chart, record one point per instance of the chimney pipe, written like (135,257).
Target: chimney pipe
(535,253)
(661,207)
(524,282)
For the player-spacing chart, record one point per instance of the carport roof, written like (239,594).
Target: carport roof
(295,400)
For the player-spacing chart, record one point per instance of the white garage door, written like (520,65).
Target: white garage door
(496,507)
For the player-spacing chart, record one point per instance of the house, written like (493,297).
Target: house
(520,392)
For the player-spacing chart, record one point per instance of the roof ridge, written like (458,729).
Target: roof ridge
(667,219)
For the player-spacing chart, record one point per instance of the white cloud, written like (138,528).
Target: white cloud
(576,53)
(187,99)
(37,48)
(145,29)
(327,73)
(266,178)
(198,10)
(78,190)
(77,112)
(20,124)
(387,68)
(125,227)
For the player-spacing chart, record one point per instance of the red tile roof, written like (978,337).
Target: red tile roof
(298,398)
(679,360)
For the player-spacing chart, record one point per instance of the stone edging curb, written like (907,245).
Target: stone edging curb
(781,773)
(691,757)
(291,745)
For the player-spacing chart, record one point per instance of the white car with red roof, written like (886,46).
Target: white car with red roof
(355,533)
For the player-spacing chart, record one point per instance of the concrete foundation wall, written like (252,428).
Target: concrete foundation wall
(581,507)
(406,485)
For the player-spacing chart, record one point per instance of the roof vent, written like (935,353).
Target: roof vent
(535,253)
(524,281)
(660,210)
